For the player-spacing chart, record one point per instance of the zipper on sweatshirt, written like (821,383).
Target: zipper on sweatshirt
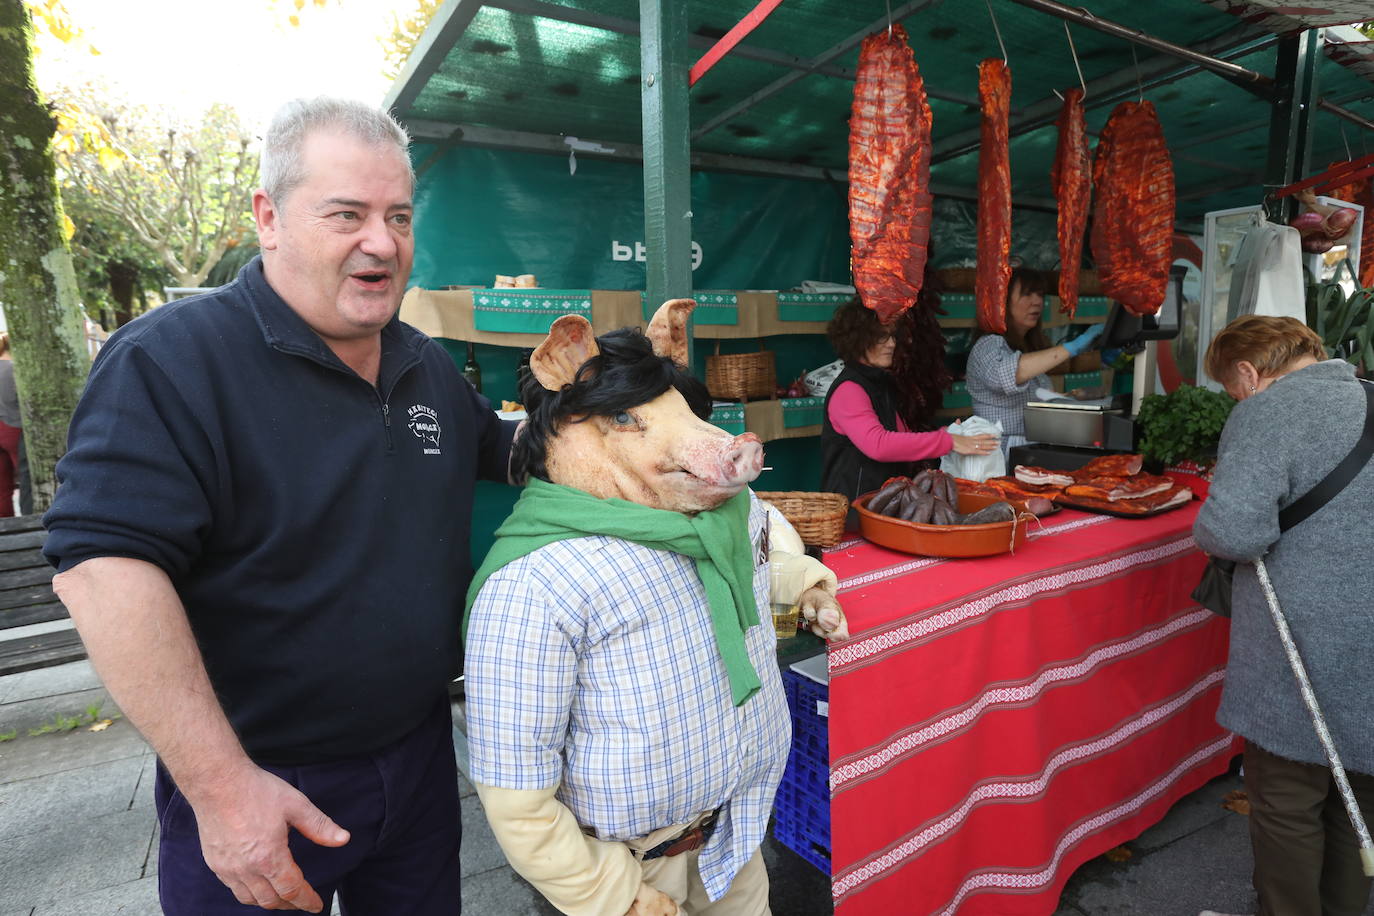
(386,423)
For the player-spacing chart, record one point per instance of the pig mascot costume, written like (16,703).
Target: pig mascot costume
(626,719)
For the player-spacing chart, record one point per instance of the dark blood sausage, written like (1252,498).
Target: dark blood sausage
(924,482)
(889,175)
(997,512)
(890,491)
(1071,177)
(1133,216)
(925,507)
(994,196)
(904,505)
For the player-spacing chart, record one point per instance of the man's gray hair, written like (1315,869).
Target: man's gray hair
(282,165)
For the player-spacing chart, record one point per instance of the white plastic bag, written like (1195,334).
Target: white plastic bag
(975,467)
(818,381)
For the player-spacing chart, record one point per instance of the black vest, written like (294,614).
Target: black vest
(845,469)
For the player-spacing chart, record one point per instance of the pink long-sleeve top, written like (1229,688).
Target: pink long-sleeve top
(852,415)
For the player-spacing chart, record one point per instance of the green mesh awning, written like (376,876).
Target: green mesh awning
(510,68)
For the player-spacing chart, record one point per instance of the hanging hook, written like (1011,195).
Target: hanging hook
(889,18)
(1346,141)
(1074,53)
(1139,87)
(999,33)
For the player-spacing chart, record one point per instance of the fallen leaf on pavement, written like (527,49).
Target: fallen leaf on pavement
(1119,854)
(1237,801)
(101,725)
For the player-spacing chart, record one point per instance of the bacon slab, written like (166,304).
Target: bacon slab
(1010,486)
(1035,504)
(889,175)
(1115,489)
(1026,473)
(1147,505)
(1133,218)
(1072,176)
(1111,466)
(994,196)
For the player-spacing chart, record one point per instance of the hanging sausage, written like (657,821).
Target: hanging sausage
(1072,180)
(1133,217)
(994,196)
(889,175)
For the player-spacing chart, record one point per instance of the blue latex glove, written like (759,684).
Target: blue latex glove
(1083,341)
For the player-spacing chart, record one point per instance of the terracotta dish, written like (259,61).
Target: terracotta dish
(944,540)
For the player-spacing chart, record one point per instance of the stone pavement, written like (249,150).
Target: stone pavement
(78,835)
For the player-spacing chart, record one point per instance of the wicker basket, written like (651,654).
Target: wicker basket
(818,517)
(741,376)
(958,279)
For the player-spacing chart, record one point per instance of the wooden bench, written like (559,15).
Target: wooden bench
(26,597)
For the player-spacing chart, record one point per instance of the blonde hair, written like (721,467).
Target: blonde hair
(1269,343)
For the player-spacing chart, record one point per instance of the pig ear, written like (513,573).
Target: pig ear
(570,344)
(668,329)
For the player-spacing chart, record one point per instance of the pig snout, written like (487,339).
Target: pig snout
(742,460)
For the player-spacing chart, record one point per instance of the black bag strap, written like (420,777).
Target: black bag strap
(1340,475)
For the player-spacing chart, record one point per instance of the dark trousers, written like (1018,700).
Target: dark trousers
(400,806)
(1307,860)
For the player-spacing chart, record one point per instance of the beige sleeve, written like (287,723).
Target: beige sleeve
(578,874)
(794,571)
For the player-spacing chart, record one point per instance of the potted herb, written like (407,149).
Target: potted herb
(1179,431)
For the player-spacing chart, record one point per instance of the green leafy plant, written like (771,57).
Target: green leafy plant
(9,735)
(1184,424)
(1344,322)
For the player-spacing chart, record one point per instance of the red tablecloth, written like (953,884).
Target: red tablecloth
(995,722)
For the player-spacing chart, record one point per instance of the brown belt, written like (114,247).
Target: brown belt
(692,838)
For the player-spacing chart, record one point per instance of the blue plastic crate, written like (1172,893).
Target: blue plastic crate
(802,807)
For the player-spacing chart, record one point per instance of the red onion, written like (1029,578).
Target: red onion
(1338,223)
(1316,244)
(1309,223)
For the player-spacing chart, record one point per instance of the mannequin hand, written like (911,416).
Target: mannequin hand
(1083,341)
(650,901)
(984,444)
(823,615)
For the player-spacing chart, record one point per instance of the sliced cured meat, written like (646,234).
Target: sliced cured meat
(1147,505)
(994,196)
(1111,466)
(1030,474)
(1013,486)
(1071,176)
(1115,489)
(1133,216)
(889,175)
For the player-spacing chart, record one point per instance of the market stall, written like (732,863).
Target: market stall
(995,722)
(998,720)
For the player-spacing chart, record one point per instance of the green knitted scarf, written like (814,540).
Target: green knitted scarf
(718,540)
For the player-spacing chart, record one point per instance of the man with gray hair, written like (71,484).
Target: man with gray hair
(261,534)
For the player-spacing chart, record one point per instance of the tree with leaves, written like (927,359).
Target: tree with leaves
(184,190)
(38,289)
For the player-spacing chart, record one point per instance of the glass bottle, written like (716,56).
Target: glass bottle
(471,371)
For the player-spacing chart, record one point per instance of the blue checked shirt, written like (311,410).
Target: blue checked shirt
(991,381)
(592,666)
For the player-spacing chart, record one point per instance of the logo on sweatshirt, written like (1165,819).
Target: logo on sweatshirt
(424,423)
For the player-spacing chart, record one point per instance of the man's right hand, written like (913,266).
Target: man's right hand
(650,901)
(244,824)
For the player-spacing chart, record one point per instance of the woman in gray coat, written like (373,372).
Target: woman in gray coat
(1299,415)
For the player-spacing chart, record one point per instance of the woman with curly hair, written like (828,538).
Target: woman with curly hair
(864,439)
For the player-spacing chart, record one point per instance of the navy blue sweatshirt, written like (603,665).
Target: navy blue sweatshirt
(315,527)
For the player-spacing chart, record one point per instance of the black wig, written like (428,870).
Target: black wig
(627,373)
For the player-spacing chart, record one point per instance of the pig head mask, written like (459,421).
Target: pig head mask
(618,416)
